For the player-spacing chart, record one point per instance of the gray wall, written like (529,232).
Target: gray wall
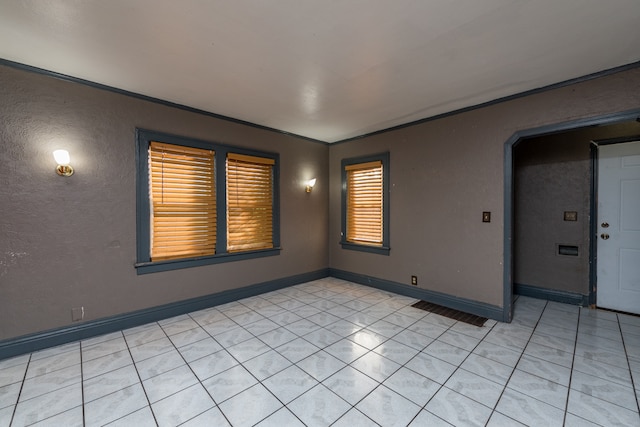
(445,173)
(552,175)
(70,242)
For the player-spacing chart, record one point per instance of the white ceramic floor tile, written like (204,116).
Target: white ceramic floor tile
(148,334)
(388,408)
(297,350)
(506,356)
(210,418)
(55,351)
(539,388)
(367,338)
(350,384)
(250,406)
(70,418)
(413,339)
(321,365)
(290,383)
(104,364)
(47,405)
(528,410)
(103,348)
(199,349)
(109,382)
(426,418)
(369,349)
(412,385)
(151,349)
(114,406)
(159,364)
(499,420)
(229,383)
(248,349)
(168,383)
(182,406)
(140,418)
(266,364)
(53,363)
(604,390)
(599,411)
(282,417)
(322,338)
(188,337)
(213,364)
(376,366)
(319,407)
(447,352)
(549,354)
(431,367)
(9,394)
(549,371)
(277,337)
(15,361)
(5,416)
(398,352)
(458,409)
(475,387)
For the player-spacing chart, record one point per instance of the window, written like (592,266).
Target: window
(203,203)
(249,202)
(182,200)
(365,203)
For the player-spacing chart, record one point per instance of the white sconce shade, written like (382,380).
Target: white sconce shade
(63,160)
(310,185)
(62,157)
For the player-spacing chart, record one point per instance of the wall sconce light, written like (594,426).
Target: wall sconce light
(310,185)
(63,160)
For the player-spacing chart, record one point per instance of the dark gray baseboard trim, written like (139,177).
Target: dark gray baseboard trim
(462,304)
(551,294)
(38,341)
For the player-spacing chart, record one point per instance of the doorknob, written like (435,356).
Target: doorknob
(605,224)
(604,236)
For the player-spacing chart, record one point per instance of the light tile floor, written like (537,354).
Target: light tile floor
(330,352)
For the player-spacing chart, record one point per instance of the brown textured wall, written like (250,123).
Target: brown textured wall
(552,175)
(445,172)
(70,242)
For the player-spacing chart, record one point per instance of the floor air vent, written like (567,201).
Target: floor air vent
(471,319)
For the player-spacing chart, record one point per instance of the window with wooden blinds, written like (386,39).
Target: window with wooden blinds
(182,202)
(249,202)
(365,203)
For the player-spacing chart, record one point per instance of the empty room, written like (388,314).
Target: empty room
(306,213)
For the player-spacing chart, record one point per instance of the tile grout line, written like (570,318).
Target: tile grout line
(24,377)
(517,362)
(139,378)
(626,354)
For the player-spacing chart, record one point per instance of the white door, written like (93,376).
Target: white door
(618,258)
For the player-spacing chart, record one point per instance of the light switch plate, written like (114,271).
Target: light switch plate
(486,216)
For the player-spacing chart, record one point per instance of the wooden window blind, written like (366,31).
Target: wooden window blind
(249,202)
(365,203)
(182,201)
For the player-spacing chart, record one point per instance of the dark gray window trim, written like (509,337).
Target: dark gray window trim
(385,248)
(144,264)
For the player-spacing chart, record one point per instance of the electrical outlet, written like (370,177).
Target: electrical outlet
(414,280)
(77,314)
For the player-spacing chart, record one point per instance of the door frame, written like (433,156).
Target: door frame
(593,226)
(509,146)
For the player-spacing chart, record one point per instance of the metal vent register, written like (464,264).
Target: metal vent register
(471,319)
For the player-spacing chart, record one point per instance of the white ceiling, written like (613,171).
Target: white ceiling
(324,69)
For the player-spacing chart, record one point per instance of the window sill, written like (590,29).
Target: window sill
(381,250)
(175,264)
